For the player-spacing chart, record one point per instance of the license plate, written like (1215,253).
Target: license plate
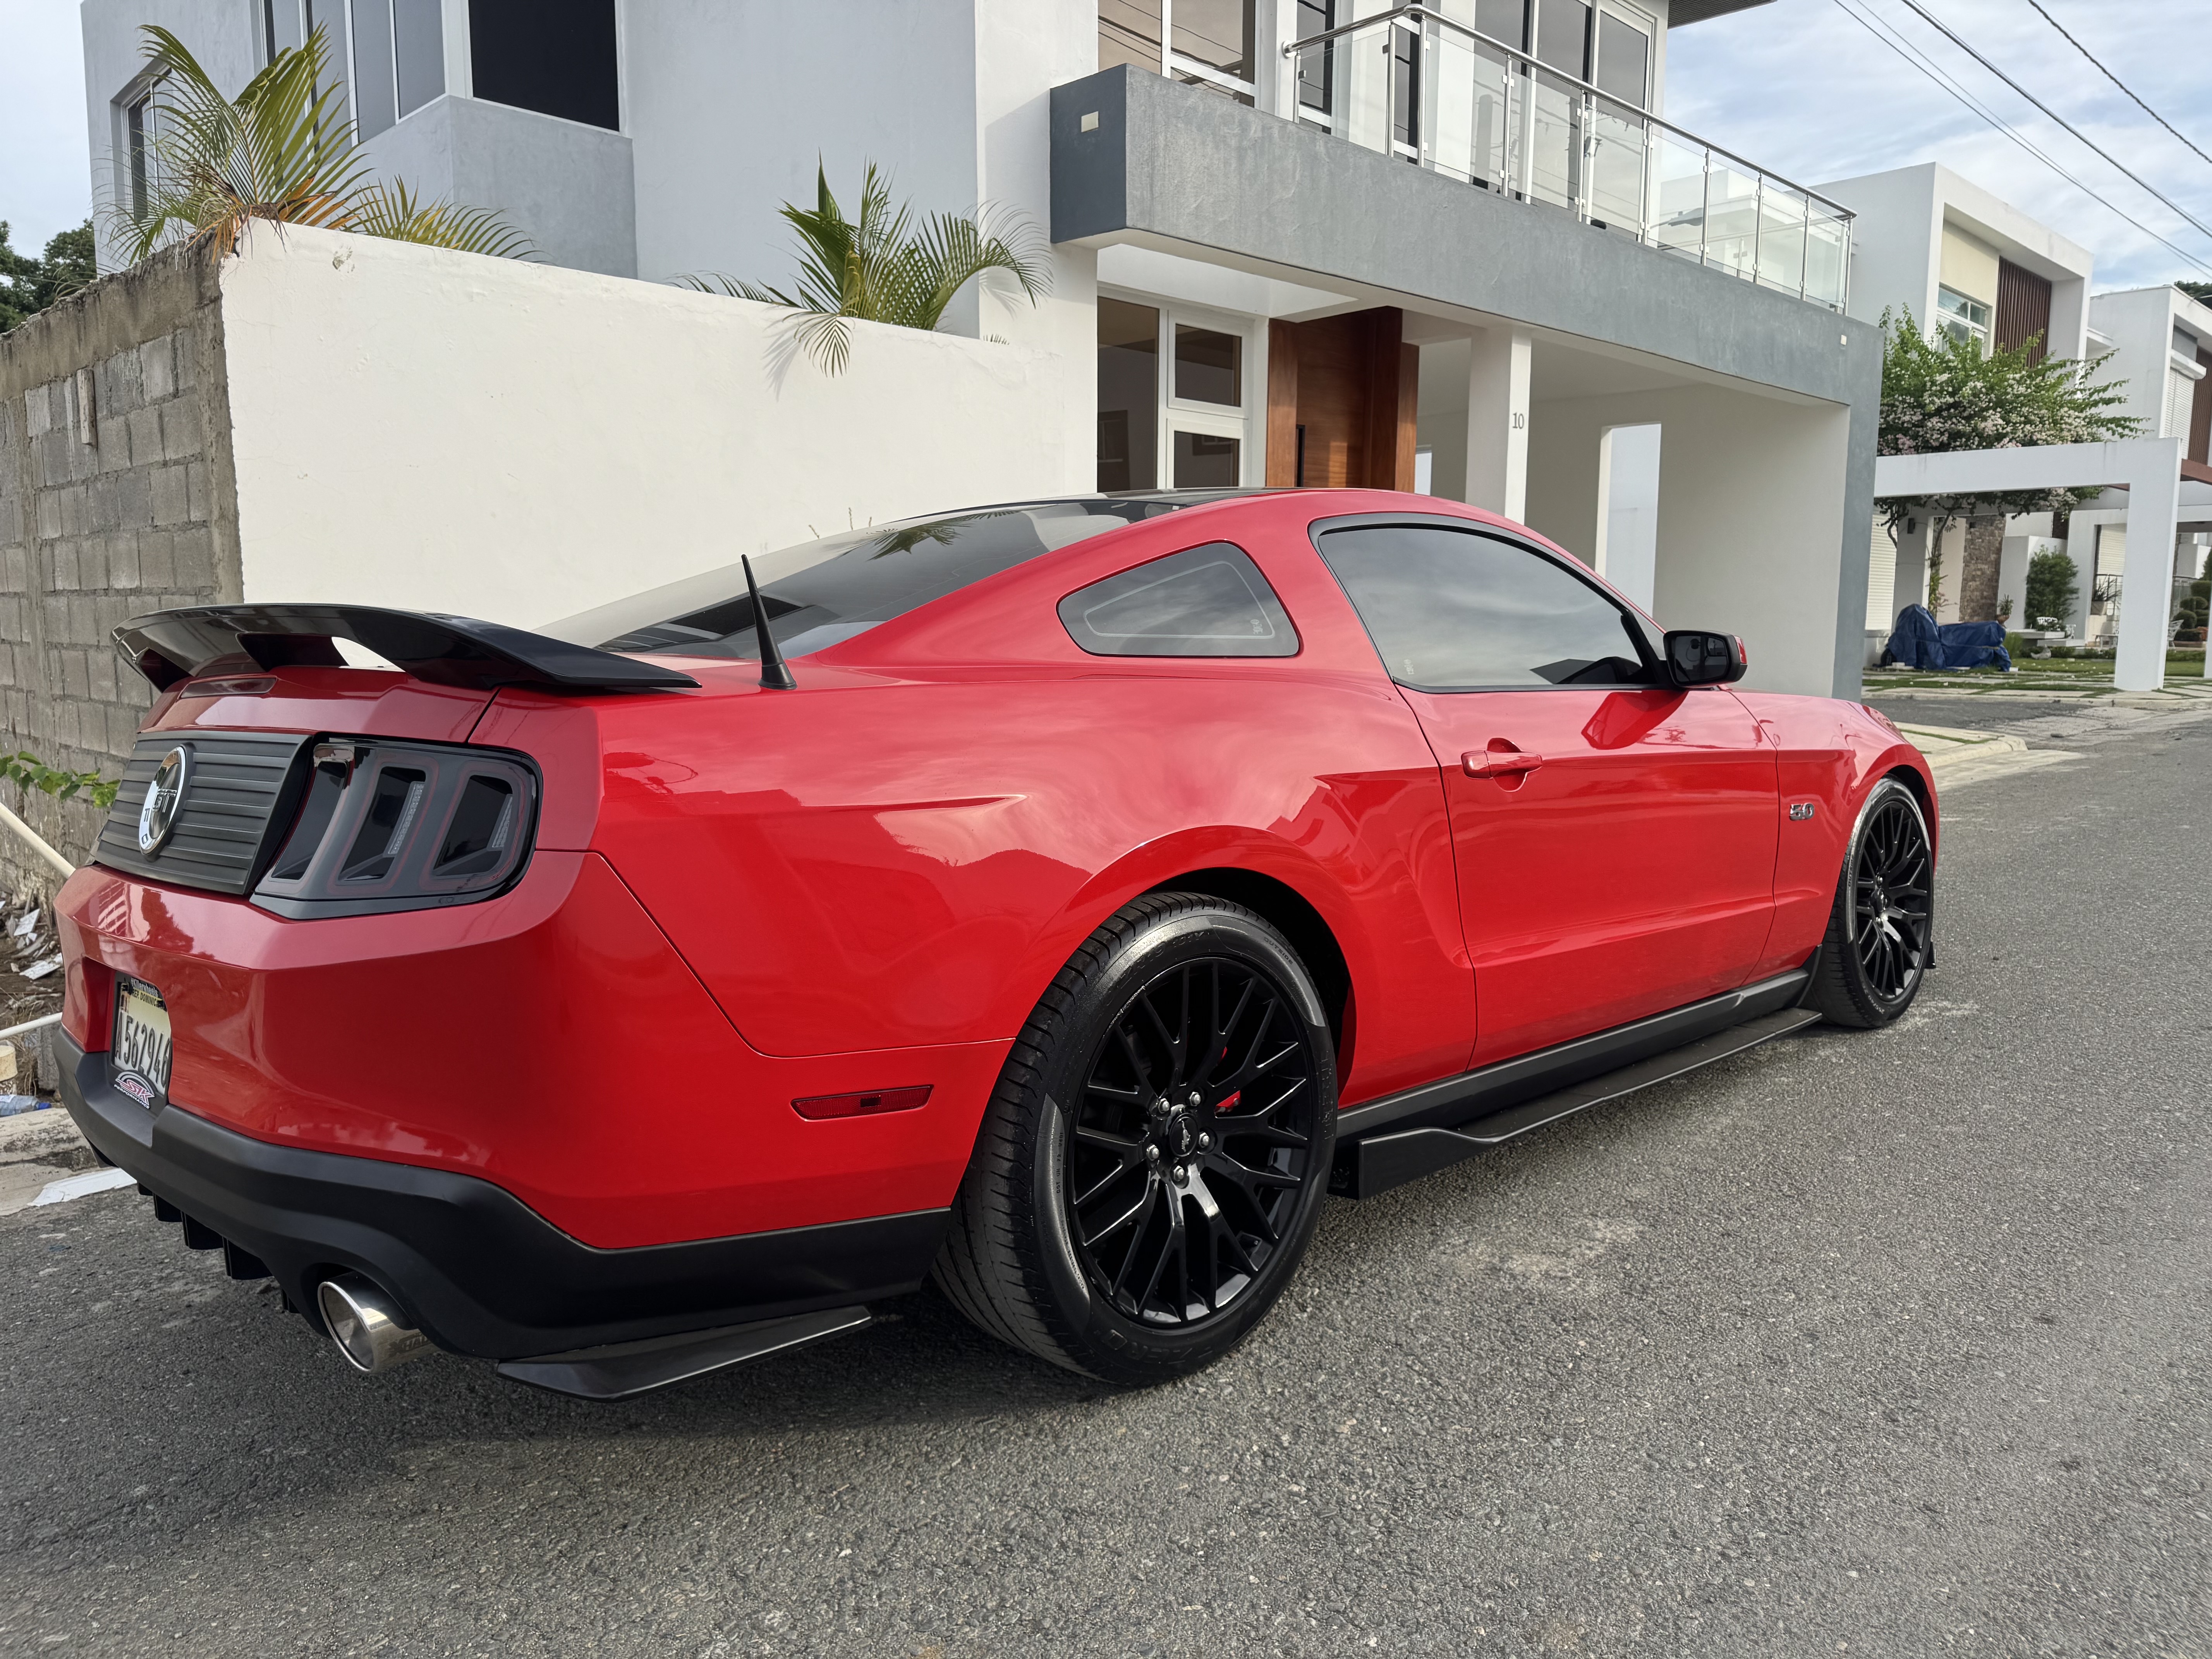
(139,1059)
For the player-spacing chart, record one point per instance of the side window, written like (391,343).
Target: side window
(1211,601)
(1456,611)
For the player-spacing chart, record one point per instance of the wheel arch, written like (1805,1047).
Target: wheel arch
(1293,915)
(1915,779)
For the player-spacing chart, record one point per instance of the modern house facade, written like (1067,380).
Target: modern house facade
(1455,247)
(1960,261)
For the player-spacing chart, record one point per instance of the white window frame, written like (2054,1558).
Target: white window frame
(1948,322)
(134,173)
(1646,25)
(1172,414)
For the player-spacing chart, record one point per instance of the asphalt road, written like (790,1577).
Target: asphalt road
(1891,1344)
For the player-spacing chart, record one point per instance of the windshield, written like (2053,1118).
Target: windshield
(820,593)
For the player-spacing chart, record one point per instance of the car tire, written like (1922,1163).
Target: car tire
(1117,1149)
(1880,931)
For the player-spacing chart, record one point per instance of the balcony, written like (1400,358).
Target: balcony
(1435,93)
(1426,89)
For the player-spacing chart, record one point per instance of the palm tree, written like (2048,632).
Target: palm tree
(283,150)
(884,269)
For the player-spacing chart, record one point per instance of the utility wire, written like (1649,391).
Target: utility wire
(2115,79)
(1883,32)
(1944,29)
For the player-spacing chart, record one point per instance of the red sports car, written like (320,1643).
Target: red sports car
(1055,900)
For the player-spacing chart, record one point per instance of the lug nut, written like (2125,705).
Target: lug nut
(1205,1141)
(1152,1154)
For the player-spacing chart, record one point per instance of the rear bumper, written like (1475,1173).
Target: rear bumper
(474,1267)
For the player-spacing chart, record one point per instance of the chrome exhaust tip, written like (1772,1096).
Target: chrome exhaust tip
(364,1324)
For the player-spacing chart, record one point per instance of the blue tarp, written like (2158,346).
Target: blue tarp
(1921,642)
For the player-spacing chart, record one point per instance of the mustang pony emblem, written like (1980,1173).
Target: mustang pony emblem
(165,797)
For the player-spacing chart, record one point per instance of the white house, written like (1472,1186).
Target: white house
(1291,241)
(1937,247)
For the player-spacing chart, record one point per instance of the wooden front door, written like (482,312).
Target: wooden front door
(1340,402)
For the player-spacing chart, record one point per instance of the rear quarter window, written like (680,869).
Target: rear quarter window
(1209,601)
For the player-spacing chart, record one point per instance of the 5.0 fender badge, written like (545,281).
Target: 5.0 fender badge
(1800,811)
(165,799)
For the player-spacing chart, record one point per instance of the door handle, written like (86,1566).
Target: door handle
(1500,760)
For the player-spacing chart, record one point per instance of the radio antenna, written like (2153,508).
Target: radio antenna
(775,673)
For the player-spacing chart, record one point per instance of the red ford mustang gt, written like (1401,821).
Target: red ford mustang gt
(1055,900)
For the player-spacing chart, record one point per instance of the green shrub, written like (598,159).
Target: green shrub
(2053,585)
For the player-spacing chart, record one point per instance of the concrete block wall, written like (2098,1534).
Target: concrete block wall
(142,517)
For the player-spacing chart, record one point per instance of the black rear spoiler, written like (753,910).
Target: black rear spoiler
(170,646)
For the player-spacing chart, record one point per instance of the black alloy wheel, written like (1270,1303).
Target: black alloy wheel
(1193,1139)
(1882,930)
(1153,1161)
(1893,898)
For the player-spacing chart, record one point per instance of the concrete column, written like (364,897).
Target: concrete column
(2082,548)
(2012,577)
(2147,591)
(1498,423)
(1911,583)
(1628,510)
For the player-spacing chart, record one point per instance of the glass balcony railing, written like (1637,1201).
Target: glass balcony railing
(1416,85)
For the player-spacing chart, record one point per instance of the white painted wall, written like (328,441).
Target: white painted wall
(1751,510)
(437,431)
(730,103)
(2140,323)
(1628,510)
(1899,247)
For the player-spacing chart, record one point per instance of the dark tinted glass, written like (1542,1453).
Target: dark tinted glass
(1504,20)
(1204,460)
(1454,611)
(823,592)
(1623,59)
(1216,32)
(1563,28)
(1316,64)
(1209,366)
(1129,395)
(1211,601)
(1129,33)
(556,57)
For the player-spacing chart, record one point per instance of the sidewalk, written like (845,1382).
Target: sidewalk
(1957,756)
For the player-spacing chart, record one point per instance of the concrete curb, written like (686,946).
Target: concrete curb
(1959,756)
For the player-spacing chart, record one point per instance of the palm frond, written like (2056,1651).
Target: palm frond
(392,211)
(283,150)
(881,268)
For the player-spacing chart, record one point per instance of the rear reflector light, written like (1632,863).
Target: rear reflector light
(869,1104)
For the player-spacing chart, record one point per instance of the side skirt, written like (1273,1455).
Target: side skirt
(1384,1144)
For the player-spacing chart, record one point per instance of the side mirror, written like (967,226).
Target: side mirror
(1697,658)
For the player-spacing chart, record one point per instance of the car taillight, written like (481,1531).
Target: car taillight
(401,826)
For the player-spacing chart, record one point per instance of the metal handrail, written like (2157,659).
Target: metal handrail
(1642,114)
(1822,226)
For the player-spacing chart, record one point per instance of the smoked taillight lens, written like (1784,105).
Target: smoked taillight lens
(401,826)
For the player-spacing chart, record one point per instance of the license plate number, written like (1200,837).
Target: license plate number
(139,1061)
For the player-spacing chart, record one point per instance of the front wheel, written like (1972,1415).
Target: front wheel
(1876,954)
(1153,1160)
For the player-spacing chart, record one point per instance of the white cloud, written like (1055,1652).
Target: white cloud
(45,180)
(1800,87)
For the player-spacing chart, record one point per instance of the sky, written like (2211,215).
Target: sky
(1796,86)
(45,168)
(1801,88)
